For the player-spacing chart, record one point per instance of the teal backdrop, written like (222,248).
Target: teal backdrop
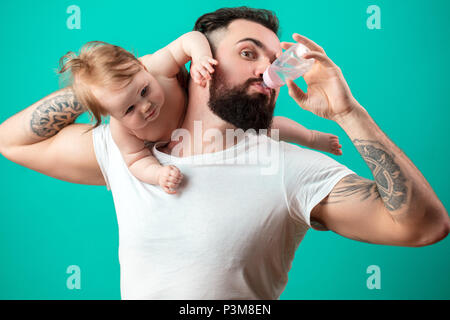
(399,73)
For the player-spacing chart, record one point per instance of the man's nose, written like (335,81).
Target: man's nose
(261,67)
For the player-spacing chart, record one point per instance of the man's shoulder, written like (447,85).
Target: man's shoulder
(296,157)
(102,137)
(285,147)
(264,141)
(103,128)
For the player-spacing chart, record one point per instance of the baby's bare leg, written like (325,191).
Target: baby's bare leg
(291,131)
(326,142)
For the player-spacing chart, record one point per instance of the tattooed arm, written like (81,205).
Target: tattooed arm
(44,138)
(399,207)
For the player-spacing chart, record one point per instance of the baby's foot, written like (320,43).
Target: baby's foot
(326,142)
(169,178)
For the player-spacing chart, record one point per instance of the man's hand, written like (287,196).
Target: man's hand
(328,94)
(399,207)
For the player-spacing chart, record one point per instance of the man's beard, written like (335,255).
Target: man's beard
(235,106)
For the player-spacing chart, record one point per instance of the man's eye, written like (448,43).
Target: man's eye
(144,91)
(248,54)
(130,109)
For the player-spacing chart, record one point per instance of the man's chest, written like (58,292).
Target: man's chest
(229,212)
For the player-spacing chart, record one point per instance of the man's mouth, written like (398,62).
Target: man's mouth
(260,87)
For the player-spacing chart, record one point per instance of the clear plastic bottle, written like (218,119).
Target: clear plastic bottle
(290,65)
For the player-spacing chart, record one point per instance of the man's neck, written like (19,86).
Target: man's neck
(202,131)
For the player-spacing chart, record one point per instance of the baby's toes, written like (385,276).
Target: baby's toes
(336,145)
(337,151)
(334,139)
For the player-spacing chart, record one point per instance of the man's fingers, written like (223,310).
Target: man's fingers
(321,57)
(308,43)
(286,45)
(296,93)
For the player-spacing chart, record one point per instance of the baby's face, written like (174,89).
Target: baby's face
(136,105)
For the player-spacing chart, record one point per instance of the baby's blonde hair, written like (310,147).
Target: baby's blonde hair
(100,64)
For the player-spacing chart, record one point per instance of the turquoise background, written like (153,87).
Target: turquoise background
(399,74)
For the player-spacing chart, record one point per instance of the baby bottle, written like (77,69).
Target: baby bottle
(290,65)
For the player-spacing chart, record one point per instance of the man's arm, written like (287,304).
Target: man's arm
(42,138)
(399,207)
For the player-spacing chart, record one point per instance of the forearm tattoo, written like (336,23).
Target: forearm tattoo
(389,182)
(55,113)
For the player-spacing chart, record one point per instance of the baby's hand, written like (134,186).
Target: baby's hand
(201,69)
(169,177)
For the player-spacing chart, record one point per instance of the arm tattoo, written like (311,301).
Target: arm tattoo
(354,185)
(55,113)
(389,184)
(390,181)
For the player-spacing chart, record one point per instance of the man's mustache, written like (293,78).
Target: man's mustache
(251,81)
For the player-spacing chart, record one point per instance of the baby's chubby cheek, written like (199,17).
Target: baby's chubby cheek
(134,124)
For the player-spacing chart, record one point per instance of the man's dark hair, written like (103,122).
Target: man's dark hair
(221,18)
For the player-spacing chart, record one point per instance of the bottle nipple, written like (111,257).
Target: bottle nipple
(271,79)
